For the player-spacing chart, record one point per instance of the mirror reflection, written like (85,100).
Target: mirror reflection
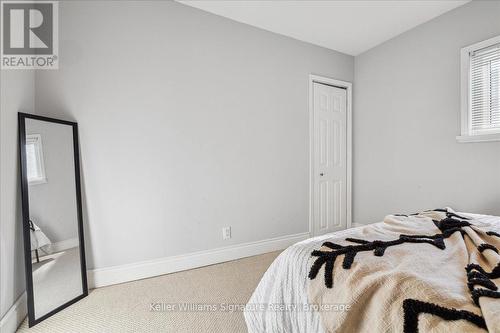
(53,215)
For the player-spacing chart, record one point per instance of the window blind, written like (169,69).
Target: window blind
(31,162)
(34,159)
(485,90)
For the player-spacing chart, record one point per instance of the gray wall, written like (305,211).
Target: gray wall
(53,204)
(16,94)
(188,122)
(406,117)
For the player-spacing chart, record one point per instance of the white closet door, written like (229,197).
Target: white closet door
(329,158)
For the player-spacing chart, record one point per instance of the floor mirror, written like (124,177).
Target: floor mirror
(52,215)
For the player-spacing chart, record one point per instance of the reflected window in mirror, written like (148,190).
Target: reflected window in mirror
(34,159)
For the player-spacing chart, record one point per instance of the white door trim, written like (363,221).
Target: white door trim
(348,87)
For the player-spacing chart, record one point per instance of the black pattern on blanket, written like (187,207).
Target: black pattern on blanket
(478,280)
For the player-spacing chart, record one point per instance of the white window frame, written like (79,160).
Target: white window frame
(466,133)
(36,139)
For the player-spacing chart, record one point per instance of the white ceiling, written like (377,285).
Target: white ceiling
(350,27)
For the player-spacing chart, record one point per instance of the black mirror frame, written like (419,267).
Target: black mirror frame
(25,219)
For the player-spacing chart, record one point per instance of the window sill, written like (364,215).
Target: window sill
(478,138)
(37,181)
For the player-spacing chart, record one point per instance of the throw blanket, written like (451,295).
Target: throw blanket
(436,271)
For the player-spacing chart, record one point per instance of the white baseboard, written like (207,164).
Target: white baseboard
(15,316)
(101,277)
(57,247)
(354,225)
(63,245)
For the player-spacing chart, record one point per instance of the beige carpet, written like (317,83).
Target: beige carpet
(127,307)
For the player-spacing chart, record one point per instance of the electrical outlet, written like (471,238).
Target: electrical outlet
(226,232)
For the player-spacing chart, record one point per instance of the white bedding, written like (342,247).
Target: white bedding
(38,238)
(284,285)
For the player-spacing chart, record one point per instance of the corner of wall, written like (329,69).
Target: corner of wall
(17,95)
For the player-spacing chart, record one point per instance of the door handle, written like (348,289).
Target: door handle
(321,174)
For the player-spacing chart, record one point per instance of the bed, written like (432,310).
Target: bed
(368,292)
(38,239)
